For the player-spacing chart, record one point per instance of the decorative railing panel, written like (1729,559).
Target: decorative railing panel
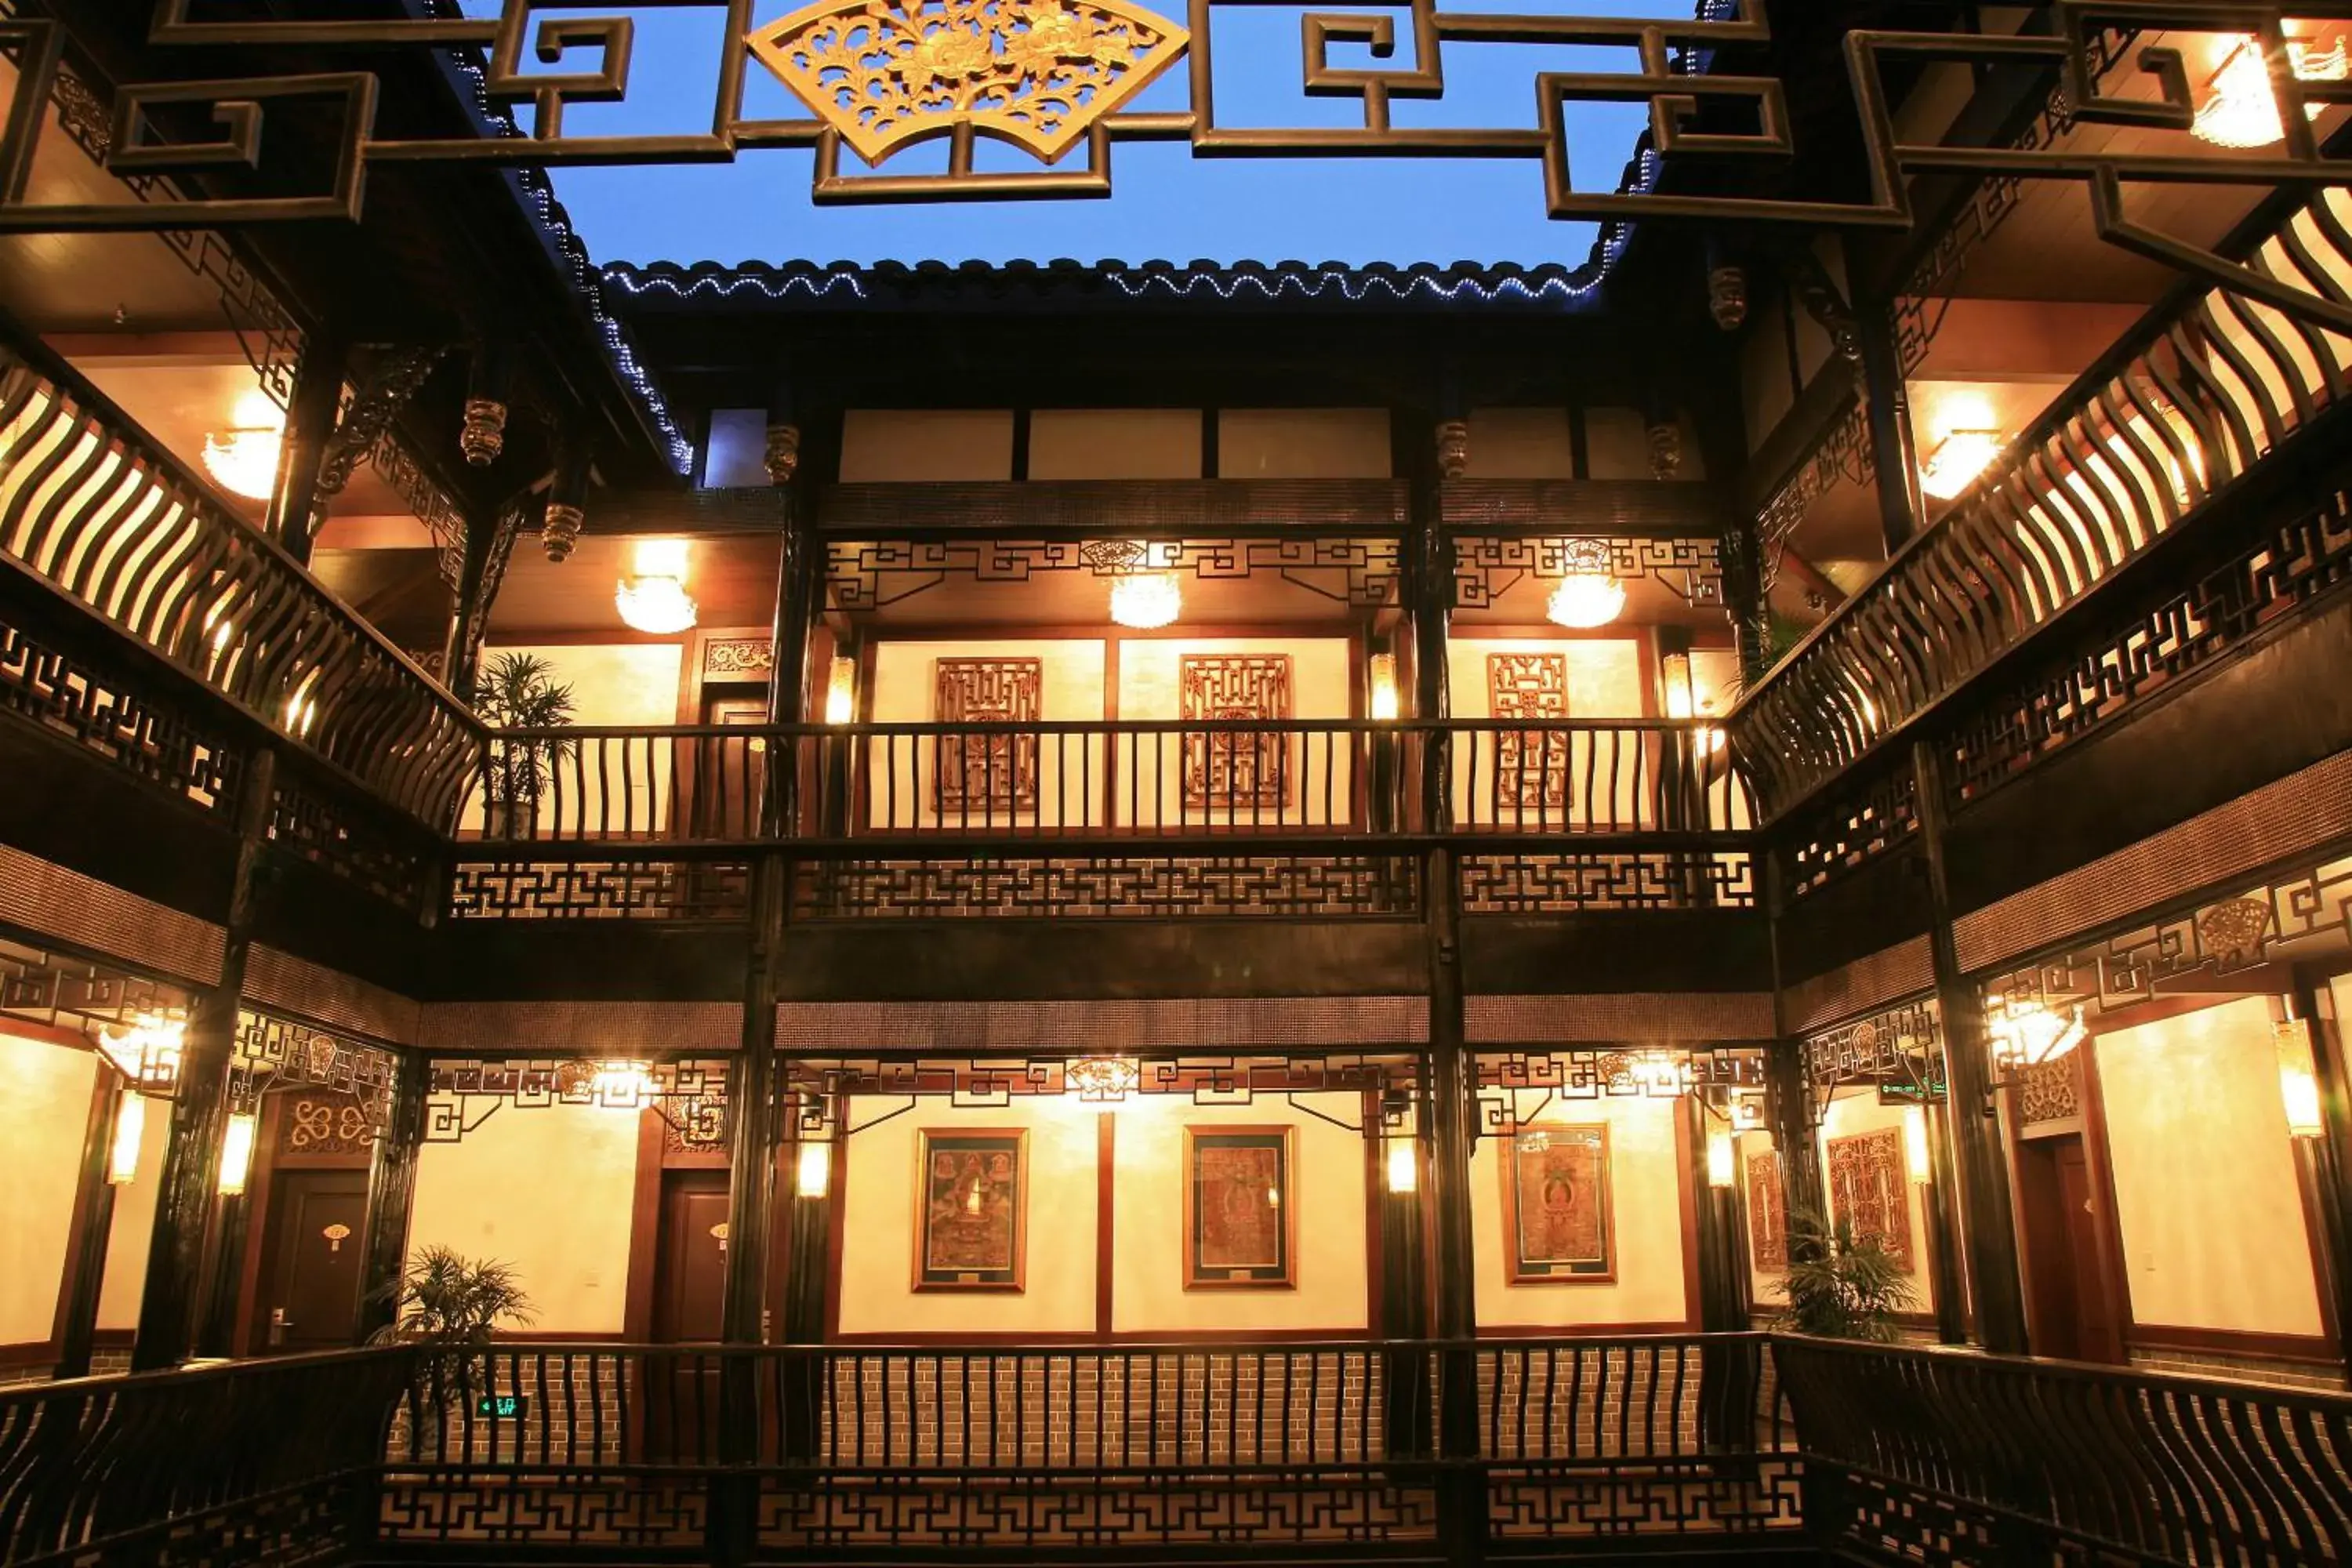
(2189,401)
(97,511)
(2046,1461)
(1109,779)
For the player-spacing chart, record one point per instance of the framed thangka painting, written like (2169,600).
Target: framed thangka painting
(972,1232)
(1240,1211)
(1557,1225)
(1870,1189)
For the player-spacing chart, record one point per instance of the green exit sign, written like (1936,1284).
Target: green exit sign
(502,1406)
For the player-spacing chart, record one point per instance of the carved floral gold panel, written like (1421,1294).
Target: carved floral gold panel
(886,73)
(1530,766)
(1870,1189)
(981,774)
(1234,773)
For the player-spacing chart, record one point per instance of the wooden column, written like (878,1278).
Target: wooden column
(1949,1280)
(184,1201)
(1745,601)
(1787,1108)
(2331,1152)
(460,650)
(1893,445)
(391,1198)
(1451,1108)
(93,1226)
(1991,1230)
(1722,1272)
(309,424)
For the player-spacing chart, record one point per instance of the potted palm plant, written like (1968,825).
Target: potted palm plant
(448,1306)
(518,692)
(1841,1286)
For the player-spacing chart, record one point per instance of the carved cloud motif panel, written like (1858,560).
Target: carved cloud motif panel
(884,73)
(1234,773)
(986,774)
(1869,1189)
(1530,766)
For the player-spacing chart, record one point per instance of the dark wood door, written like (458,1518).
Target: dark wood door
(2074,1315)
(733,773)
(313,1264)
(689,1297)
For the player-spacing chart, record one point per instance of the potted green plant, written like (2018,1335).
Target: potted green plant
(449,1306)
(518,692)
(1841,1286)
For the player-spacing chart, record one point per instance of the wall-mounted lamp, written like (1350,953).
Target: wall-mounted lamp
(1915,1145)
(1403,1164)
(2030,1035)
(129,1125)
(1682,700)
(147,1053)
(1722,1164)
(841,692)
(1959,460)
(2298,1077)
(813,1172)
(2242,108)
(1385,706)
(236,1152)
(622,1085)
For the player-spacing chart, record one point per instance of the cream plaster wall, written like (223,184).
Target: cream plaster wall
(914,446)
(49,1088)
(1854,1110)
(1521,444)
(1303,444)
(905,690)
(2206,1194)
(133,1227)
(880,1228)
(1645,1186)
(1328,1209)
(1605,680)
(613,685)
(1322,683)
(551,1192)
(1114,444)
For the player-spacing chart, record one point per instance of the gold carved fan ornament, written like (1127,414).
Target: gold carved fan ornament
(885,73)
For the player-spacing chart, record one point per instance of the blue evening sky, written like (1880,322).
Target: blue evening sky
(1168,204)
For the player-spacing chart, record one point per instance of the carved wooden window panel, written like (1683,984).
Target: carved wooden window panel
(1235,772)
(1530,765)
(1870,1189)
(986,775)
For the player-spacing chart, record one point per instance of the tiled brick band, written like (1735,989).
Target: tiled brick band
(1208,1023)
(50,901)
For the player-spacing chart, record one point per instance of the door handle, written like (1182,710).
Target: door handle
(278,1325)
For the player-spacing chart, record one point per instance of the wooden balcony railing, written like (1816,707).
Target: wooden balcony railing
(2191,401)
(1374,1448)
(1115,780)
(98,512)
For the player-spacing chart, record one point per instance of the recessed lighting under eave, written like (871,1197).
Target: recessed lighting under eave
(2242,108)
(1590,594)
(243,457)
(653,600)
(1959,460)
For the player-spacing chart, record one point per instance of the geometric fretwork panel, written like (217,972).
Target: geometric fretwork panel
(1542,883)
(991,775)
(601,889)
(1531,767)
(1870,1190)
(1245,771)
(1222,887)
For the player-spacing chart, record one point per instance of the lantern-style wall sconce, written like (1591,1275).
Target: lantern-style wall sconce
(2298,1076)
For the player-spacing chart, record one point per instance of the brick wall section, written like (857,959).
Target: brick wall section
(2242,1369)
(582,1408)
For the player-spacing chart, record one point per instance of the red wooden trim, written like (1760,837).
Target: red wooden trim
(2306,1349)
(560,1337)
(2106,1217)
(2306,1184)
(1375,1192)
(1685,1183)
(106,1084)
(1105,1179)
(245,1333)
(644,1231)
(31,1353)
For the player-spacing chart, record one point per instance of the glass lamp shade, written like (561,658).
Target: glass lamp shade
(1145,602)
(236,1152)
(130,1126)
(243,461)
(1586,599)
(1958,462)
(657,606)
(1721,1164)
(2030,1035)
(2240,110)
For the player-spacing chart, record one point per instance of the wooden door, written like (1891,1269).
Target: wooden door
(732,775)
(2073,1316)
(313,1265)
(690,1308)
